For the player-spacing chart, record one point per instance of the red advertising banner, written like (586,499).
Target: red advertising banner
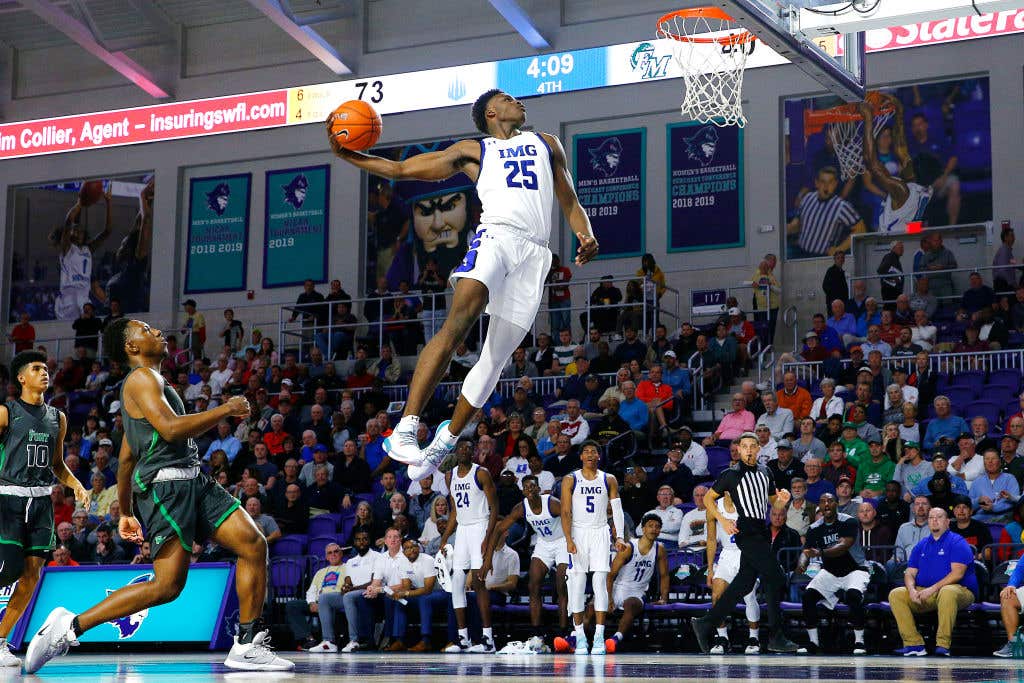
(144,124)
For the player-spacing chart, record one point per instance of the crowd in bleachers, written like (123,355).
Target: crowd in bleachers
(890,439)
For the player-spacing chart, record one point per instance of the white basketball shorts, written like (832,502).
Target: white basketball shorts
(829,585)
(512,267)
(468,539)
(593,550)
(551,553)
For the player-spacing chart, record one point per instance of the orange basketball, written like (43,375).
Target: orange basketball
(91,192)
(356,125)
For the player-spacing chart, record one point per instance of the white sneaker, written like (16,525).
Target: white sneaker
(433,455)
(402,444)
(51,640)
(7,657)
(458,648)
(536,644)
(582,648)
(323,648)
(352,646)
(599,647)
(256,656)
(485,646)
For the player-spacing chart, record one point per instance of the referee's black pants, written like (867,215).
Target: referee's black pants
(756,559)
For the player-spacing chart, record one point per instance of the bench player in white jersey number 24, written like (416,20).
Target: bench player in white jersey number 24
(518,175)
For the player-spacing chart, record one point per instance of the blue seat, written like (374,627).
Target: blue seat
(1006,377)
(289,545)
(960,396)
(987,409)
(718,460)
(286,576)
(971,379)
(323,525)
(318,544)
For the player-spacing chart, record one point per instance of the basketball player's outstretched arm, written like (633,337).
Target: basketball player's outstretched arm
(95,242)
(463,156)
(61,471)
(145,391)
(894,187)
(565,192)
(60,237)
(146,222)
(504,525)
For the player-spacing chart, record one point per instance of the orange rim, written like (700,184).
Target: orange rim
(740,38)
(816,120)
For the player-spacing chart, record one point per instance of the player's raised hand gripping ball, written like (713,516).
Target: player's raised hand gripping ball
(354,125)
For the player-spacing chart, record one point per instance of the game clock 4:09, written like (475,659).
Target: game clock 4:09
(542,74)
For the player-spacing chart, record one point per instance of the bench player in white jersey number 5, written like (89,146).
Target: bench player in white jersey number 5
(518,175)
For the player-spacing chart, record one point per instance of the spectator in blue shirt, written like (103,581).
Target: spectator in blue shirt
(676,376)
(816,486)
(1011,600)
(225,441)
(994,493)
(977,297)
(633,410)
(842,322)
(940,463)
(939,578)
(945,426)
(827,337)
(631,348)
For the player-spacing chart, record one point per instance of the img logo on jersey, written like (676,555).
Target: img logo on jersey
(128,626)
(518,151)
(648,62)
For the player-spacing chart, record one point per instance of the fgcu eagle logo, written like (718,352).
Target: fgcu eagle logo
(129,625)
(703,146)
(605,158)
(650,64)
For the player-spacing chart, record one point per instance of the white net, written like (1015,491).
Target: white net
(712,69)
(847,139)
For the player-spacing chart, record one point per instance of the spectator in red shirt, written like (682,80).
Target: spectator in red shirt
(274,439)
(61,510)
(70,375)
(559,299)
(653,392)
(61,558)
(889,330)
(359,378)
(22,335)
(574,426)
(743,330)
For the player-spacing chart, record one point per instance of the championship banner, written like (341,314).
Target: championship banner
(610,172)
(295,226)
(705,186)
(218,233)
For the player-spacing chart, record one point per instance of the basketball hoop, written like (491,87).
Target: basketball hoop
(844,128)
(712,53)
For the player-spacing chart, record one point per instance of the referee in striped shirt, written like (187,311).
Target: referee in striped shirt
(826,220)
(751,488)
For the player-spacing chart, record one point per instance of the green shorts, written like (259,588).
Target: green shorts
(190,509)
(27,523)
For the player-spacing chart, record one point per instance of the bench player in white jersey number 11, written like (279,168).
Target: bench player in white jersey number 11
(518,175)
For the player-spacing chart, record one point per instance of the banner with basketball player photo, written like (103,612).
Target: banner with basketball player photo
(933,152)
(412,222)
(81,241)
(218,233)
(610,174)
(705,186)
(296,225)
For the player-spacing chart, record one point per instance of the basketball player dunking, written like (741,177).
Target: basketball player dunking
(905,200)
(518,174)
(588,540)
(180,504)
(75,258)
(31,453)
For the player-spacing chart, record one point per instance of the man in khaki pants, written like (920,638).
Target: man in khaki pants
(939,577)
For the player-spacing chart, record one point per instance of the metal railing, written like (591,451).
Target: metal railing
(791,319)
(294,327)
(910,277)
(946,363)
(732,291)
(696,379)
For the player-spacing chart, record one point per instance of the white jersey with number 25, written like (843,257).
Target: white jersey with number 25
(516,184)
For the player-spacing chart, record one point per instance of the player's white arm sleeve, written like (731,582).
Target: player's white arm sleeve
(618,519)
